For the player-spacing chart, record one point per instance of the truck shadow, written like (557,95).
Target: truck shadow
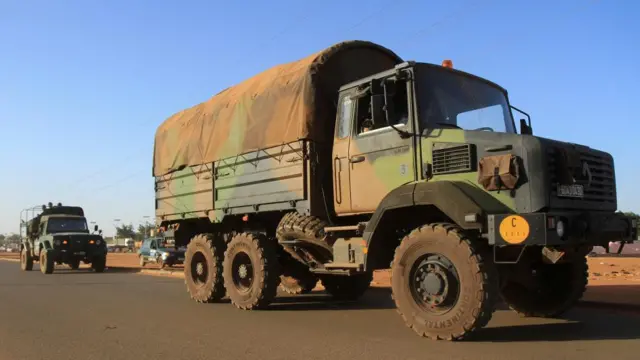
(586,322)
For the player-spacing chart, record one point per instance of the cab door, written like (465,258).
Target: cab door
(380,157)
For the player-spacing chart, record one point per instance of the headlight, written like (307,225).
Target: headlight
(56,242)
(165,255)
(98,242)
(560,229)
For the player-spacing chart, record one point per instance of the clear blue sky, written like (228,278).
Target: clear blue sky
(84,84)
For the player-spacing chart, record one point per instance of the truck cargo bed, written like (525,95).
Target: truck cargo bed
(265,180)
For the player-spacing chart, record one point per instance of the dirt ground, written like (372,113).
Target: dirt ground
(612,279)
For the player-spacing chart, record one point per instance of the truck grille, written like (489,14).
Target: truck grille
(599,194)
(448,158)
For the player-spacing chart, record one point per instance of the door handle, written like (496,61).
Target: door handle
(357,159)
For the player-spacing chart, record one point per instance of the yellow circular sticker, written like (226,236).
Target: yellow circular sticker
(514,229)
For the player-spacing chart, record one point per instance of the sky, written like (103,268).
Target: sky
(85,84)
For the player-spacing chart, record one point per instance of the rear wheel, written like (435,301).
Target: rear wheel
(547,290)
(46,262)
(26,261)
(443,285)
(251,271)
(300,283)
(203,268)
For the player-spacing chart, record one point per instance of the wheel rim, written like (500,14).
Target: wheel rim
(199,269)
(242,272)
(434,283)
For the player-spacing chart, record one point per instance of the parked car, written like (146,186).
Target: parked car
(157,250)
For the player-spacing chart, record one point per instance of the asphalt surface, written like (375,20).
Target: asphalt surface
(117,315)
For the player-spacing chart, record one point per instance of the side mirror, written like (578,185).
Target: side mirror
(525,129)
(95,228)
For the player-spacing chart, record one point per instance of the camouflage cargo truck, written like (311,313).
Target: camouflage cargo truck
(353,160)
(59,235)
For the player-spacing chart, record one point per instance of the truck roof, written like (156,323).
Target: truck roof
(283,104)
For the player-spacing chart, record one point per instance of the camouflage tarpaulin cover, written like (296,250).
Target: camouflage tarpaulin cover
(285,103)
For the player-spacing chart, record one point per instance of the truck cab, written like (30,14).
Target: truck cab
(60,235)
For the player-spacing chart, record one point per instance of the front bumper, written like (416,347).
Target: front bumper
(560,228)
(66,255)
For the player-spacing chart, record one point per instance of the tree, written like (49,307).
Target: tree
(144,230)
(2,237)
(125,231)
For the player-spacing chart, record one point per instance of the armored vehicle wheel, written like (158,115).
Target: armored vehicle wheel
(251,271)
(46,262)
(547,290)
(99,263)
(203,268)
(342,287)
(74,264)
(443,286)
(160,262)
(26,261)
(141,261)
(300,283)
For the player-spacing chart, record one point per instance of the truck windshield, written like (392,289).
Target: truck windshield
(451,100)
(57,225)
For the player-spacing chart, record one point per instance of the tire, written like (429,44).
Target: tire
(309,229)
(46,262)
(552,291)
(251,271)
(26,261)
(74,264)
(203,268)
(300,283)
(141,261)
(457,292)
(160,262)
(99,263)
(342,287)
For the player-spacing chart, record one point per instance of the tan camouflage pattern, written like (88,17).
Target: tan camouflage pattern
(281,105)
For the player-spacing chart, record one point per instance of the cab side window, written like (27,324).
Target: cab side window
(345,117)
(397,106)
(364,119)
(153,244)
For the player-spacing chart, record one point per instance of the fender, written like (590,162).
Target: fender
(455,199)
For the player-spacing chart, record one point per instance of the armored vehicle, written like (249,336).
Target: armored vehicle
(353,160)
(59,235)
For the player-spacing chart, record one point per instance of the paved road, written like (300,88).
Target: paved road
(83,315)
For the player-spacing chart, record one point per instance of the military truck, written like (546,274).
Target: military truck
(353,160)
(59,235)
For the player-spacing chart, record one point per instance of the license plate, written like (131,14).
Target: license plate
(573,191)
(180,259)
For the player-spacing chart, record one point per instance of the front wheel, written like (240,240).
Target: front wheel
(46,262)
(99,263)
(442,283)
(26,261)
(251,271)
